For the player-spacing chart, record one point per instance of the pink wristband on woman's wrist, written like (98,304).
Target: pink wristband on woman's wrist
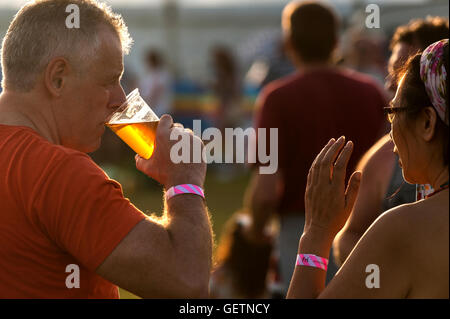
(312,261)
(184,189)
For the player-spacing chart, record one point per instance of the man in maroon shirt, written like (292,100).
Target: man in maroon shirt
(318,102)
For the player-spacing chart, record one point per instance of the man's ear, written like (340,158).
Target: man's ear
(334,54)
(55,76)
(287,46)
(427,123)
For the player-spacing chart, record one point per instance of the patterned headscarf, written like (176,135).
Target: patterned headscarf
(434,76)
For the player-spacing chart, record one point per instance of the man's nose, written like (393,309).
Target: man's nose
(118,97)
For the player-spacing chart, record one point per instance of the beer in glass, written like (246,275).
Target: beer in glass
(135,123)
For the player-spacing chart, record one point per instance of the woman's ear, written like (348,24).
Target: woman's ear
(427,123)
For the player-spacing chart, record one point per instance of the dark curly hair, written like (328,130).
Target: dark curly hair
(421,32)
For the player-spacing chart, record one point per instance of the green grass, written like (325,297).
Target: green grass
(223,196)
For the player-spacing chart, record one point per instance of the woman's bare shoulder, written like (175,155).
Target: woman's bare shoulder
(420,228)
(409,246)
(424,229)
(422,214)
(415,225)
(431,215)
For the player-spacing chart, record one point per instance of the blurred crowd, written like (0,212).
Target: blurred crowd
(254,258)
(228,98)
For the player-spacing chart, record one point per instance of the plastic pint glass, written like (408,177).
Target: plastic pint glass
(135,123)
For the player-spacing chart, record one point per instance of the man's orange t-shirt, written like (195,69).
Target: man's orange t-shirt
(57,208)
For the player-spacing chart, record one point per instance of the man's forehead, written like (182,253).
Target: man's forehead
(110,53)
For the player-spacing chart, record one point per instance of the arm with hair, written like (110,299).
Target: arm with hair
(169,258)
(85,213)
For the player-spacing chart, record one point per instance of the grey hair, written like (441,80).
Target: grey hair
(38,33)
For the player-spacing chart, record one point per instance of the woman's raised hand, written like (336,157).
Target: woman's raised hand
(328,202)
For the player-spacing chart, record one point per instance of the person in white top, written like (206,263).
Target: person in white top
(156,86)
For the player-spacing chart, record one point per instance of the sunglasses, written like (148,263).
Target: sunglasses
(391,110)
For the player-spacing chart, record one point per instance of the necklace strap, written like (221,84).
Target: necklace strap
(443,185)
(441,188)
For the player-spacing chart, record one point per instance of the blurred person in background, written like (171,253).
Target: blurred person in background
(156,85)
(279,64)
(366,56)
(318,101)
(243,269)
(382,186)
(227,91)
(57,207)
(226,86)
(405,252)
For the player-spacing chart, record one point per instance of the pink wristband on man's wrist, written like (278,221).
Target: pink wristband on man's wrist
(184,189)
(312,261)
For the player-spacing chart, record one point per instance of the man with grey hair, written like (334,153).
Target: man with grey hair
(66,229)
